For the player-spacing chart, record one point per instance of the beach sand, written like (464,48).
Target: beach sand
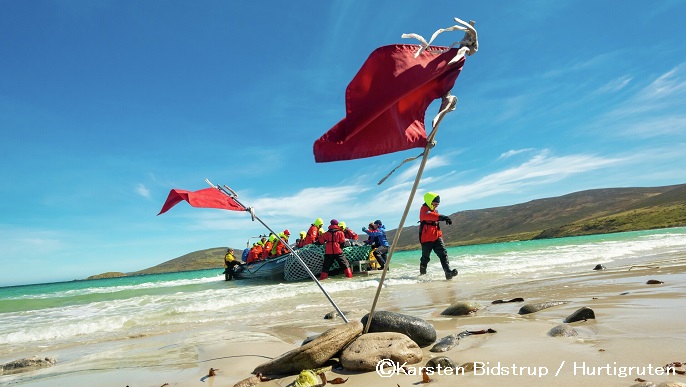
(637,325)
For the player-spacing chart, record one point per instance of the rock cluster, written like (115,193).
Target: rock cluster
(420,331)
(313,354)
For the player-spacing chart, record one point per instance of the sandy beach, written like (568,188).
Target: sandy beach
(637,330)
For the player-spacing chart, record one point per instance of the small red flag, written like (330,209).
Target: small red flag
(386,102)
(205,198)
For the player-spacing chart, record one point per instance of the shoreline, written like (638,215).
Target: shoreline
(637,325)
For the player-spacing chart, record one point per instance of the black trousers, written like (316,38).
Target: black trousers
(228,273)
(328,261)
(437,247)
(380,254)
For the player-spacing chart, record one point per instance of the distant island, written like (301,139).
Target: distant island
(598,211)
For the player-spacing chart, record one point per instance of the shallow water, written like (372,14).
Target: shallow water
(82,321)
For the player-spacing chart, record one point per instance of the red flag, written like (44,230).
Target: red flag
(386,102)
(205,198)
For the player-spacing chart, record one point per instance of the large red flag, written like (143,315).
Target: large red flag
(206,198)
(386,102)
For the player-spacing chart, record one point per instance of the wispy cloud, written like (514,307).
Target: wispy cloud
(542,169)
(650,112)
(513,152)
(143,190)
(668,85)
(16,242)
(614,85)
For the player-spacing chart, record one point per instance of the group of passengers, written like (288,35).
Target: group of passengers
(339,235)
(334,238)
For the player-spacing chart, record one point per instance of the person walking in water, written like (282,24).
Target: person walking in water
(431,236)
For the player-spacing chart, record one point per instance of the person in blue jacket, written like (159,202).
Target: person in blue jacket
(377,238)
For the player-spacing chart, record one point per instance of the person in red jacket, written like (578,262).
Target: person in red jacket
(313,232)
(333,240)
(267,249)
(431,236)
(349,234)
(300,242)
(280,248)
(255,253)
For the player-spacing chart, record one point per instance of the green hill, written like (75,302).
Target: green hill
(197,260)
(581,213)
(598,211)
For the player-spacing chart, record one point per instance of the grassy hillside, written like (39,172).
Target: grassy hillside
(203,259)
(580,213)
(589,212)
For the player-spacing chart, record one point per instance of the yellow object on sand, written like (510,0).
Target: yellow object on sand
(307,378)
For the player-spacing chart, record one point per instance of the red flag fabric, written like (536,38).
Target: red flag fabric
(386,102)
(205,198)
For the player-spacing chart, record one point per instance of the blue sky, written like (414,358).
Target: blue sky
(107,105)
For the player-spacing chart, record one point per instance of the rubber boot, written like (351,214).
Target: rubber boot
(422,269)
(450,274)
(323,276)
(348,272)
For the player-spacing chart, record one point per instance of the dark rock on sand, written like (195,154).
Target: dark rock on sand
(562,330)
(531,308)
(313,354)
(334,314)
(308,339)
(26,364)
(584,313)
(462,308)
(420,331)
(441,362)
(446,344)
(654,282)
(368,350)
(599,267)
(517,299)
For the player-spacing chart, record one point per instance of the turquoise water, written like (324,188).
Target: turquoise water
(51,317)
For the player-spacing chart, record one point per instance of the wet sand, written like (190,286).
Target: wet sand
(638,329)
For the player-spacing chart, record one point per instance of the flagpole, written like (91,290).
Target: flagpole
(448,105)
(233,195)
(468,46)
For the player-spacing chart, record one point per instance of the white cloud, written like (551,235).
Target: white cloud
(513,152)
(542,169)
(142,190)
(668,85)
(614,85)
(654,110)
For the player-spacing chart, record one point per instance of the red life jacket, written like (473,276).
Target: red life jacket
(332,240)
(350,234)
(255,254)
(312,235)
(429,230)
(266,252)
